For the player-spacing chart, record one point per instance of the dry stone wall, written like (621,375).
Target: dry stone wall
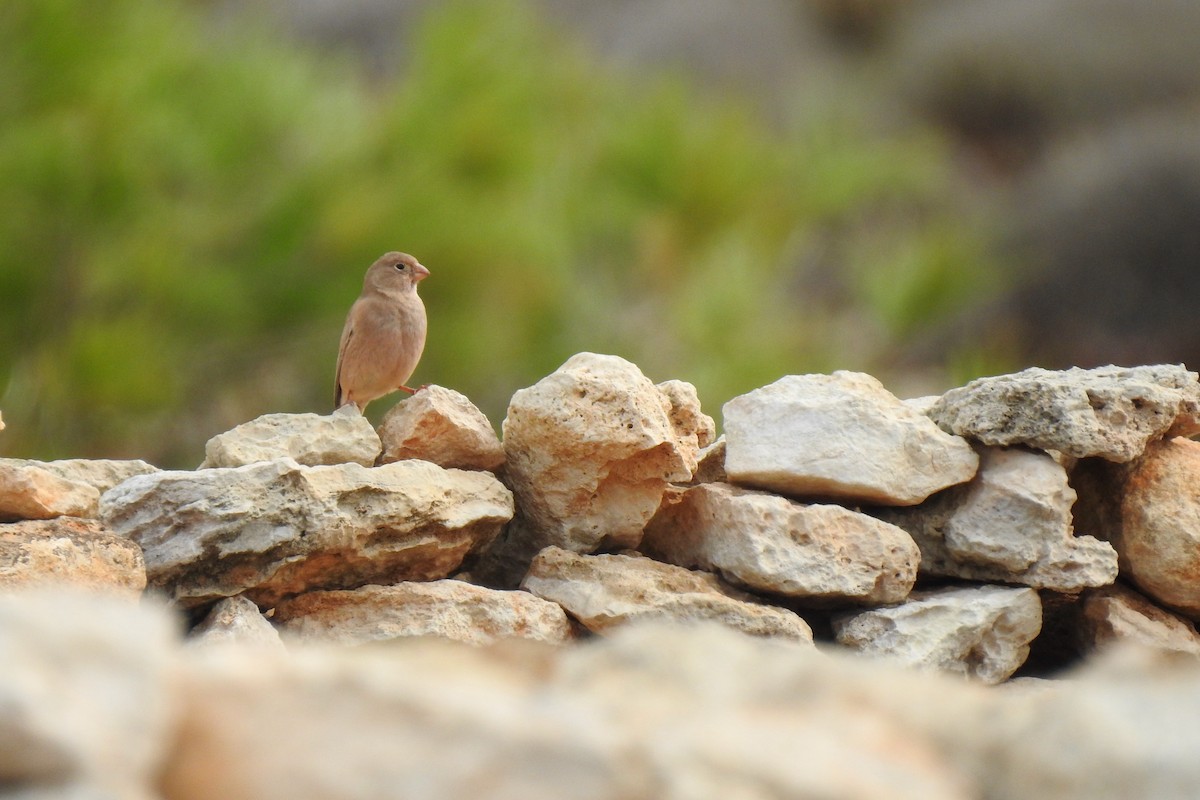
(609,601)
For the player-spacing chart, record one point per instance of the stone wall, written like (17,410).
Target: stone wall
(830,600)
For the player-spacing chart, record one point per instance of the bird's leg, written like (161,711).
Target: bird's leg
(413,391)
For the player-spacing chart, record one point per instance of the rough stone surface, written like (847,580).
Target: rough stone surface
(605,591)
(103,474)
(343,437)
(1011,523)
(1150,510)
(1117,614)
(1110,412)
(840,436)
(694,430)
(450,609)
(277,528)
(86,698)
(30,491)
(68,551)
(440,425)
(710,464)
(235,621)
(775,545)
(590,450)
(983,631)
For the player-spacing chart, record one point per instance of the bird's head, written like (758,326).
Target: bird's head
(394,271)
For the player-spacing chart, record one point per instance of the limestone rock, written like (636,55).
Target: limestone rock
(103,474)
(1116,614)
(68,551)
(343,437)
(1110,412)
(86,695)
(694,430)
(442,426)
(277,528)
(30,491)
(235,621)
(604,591)
(775,545)
(840,436)
(1150,510)
(710,464)
(450,609)
(983,631)
(590,451)
(1011,523)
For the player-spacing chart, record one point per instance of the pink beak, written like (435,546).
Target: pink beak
(419,273)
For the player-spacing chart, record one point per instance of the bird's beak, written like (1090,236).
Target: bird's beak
(419,272)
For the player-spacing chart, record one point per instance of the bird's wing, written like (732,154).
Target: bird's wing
(347,335)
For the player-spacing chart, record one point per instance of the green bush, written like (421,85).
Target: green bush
(186,213)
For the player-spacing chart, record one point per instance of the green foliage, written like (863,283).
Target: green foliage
(186,213)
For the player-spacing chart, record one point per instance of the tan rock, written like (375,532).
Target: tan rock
(33,492)
(1117,614)
(605,591)
(694,430)
(68,551)
(443,426)
(840,436)
(981,631)
(103,474)
(450,609)
(1150,510)
(1110,412)
(343,437)
(710,464)
(1011,523)
(87,703)
(235,621)
(275,529)
(775,545)
(591,449)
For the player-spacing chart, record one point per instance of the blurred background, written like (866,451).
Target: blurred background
(722,192)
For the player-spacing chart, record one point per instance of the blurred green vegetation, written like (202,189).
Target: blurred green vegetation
(186,212)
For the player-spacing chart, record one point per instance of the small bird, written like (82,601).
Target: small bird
(384,334)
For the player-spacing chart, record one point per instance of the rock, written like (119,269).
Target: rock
(442,426)
(235,621)
(102,474)
(983,631)
(1116,614)
(1150,510)
(1110,412)
(840,436)
(277,528)
(343,437)
(1011,524)
(72,552)
(450,609)
(710,464)
(775,545)
(86,695)
(590,450)
(605,591)
(694,430)
(29,491)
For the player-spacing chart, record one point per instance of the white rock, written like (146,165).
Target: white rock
(450,609)
(443,426)
(235,621)
(1117,614)
(343,437)
(590,450)
(86,696)
(30,491)
(103,474)
(1011,523)
(983,632)
(1111,412)
(775,545)
(1150,510)
(70,552)
(277,528)
(840,436)
(605,591)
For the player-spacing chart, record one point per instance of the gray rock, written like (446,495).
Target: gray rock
(840,436)
(343,437)
(1110,412)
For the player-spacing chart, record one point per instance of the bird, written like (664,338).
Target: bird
(384,334)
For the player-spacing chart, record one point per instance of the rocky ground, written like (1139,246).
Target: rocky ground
(845,596)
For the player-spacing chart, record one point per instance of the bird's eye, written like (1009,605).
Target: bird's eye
(400,267)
